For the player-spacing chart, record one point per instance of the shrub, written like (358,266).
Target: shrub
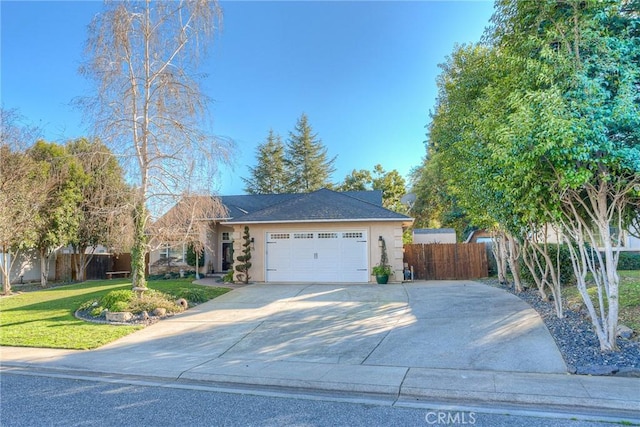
(191,256)
(228,277)
(192,295)
(154,299)
(114,297)
(567,276)
(629,261)
(97,311)
(120,306)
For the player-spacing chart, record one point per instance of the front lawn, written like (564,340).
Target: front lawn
(629,291)
(45,318)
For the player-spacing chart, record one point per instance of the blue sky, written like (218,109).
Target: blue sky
(364,73)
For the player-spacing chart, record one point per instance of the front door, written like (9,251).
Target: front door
(227,255)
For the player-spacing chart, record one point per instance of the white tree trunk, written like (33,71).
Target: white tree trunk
(5,268)
(44,267)
(513,254)
(603,206)
(499,254)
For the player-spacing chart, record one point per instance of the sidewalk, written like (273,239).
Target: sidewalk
(384,343)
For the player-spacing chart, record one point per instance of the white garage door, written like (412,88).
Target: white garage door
(317,256)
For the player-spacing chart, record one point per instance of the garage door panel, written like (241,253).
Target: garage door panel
(319,256)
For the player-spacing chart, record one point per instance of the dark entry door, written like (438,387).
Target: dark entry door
(227,256)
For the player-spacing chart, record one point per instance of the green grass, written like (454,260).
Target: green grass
(45,318)
(629,291)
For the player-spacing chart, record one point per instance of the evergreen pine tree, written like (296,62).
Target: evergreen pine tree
(270,174)
(306,159)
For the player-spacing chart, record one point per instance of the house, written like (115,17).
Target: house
(322,236)
(434,235)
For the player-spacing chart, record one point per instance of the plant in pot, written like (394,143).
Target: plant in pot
(382,271)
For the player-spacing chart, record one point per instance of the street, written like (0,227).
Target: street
(32,400)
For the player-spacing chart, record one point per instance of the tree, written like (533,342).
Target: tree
(357,180)
(587,126)
(149,105)
(105,205)
(270,175)
(391,184)
(244,260)
(23,192)
(541,126)
(58,219)
(186,223)
(306,159)
(435,206)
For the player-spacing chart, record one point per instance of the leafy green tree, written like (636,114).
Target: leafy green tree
(357,180)
(270,175)
(307,163)
(23,191)
(391,183)
(105,207)
(541,125)
(435,206)
(58,219)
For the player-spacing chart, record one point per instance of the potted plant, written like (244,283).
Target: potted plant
(382,271)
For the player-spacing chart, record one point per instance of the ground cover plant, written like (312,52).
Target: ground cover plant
(45,318)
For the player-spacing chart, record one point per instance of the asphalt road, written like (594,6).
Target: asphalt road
(33,400)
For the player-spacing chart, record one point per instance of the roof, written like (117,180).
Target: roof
(434,231)
(320,205)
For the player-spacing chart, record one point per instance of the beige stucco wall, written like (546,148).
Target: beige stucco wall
(391,232)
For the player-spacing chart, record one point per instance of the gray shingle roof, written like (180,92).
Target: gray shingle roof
(319,205)
(433,230)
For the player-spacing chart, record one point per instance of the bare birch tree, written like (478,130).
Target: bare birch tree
(149,104)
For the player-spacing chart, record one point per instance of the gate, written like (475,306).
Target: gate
(455,261)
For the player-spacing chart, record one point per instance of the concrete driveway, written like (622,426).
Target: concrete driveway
(459,340)
(458,325)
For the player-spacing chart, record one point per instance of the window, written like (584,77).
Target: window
(177,253)
(225,235)
(303,236)
(327,235)
(279,236)
(352,235)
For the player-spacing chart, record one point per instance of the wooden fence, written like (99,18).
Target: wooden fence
(97,268)
(456,261)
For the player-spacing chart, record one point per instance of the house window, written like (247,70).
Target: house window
(164,252)
(225,235)
(617,238)
(177,253)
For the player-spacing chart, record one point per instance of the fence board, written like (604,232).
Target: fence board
(455,261)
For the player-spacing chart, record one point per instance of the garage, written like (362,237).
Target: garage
(338,256)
